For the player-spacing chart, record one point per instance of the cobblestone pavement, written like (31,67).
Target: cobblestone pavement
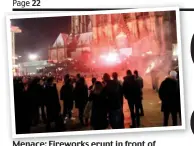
(152,109)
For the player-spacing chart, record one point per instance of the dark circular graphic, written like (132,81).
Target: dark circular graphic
(192,122)
(192,48)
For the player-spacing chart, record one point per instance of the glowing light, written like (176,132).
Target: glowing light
(120,35)
(60,69)
(174,53)
(149,52)
(70,59)
(93,61)
(175,50)
(32,56)
(112,57)
(16,29)
(116,26)
(152,65)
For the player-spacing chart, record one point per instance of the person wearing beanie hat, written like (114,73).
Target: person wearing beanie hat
(168,93)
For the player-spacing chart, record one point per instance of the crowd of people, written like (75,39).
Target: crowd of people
(100,105)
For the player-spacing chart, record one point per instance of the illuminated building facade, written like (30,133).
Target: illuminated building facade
(75,44)
(152,33)
(81,36)
(81,24)
(58,51)
(143,32)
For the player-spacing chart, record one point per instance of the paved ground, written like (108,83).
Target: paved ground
(153,116)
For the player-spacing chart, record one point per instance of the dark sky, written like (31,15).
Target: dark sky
(38,33)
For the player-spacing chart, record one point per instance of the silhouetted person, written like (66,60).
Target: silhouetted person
(90,90)
(74,81)
(140,82)
(81,97)
(168,94)
(132,93)
(155,79)
(66,77)
(99,107)
(112,92)
(93,82)
(66,94)
(78,76)
(52,104)
(42,100)
(22,108)
(35,100)
(115,78)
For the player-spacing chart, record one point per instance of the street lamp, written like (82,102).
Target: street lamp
(14,30)
(33,56)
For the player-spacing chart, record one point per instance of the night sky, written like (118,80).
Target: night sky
(38,34)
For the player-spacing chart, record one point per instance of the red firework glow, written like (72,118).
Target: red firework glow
(110,58)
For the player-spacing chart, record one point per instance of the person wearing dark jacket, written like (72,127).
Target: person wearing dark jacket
(93,82)
(42,99)
(115,78)
(66,77)
(99,107)
(168,93)
(78,76)
(132,93)
(140,82)
(90,90)
(66,95)
(35,100)
(115,112)
(22,110)
(81,97)
(52,104)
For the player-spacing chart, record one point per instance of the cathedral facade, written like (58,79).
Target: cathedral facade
(81,24)
(144,32)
